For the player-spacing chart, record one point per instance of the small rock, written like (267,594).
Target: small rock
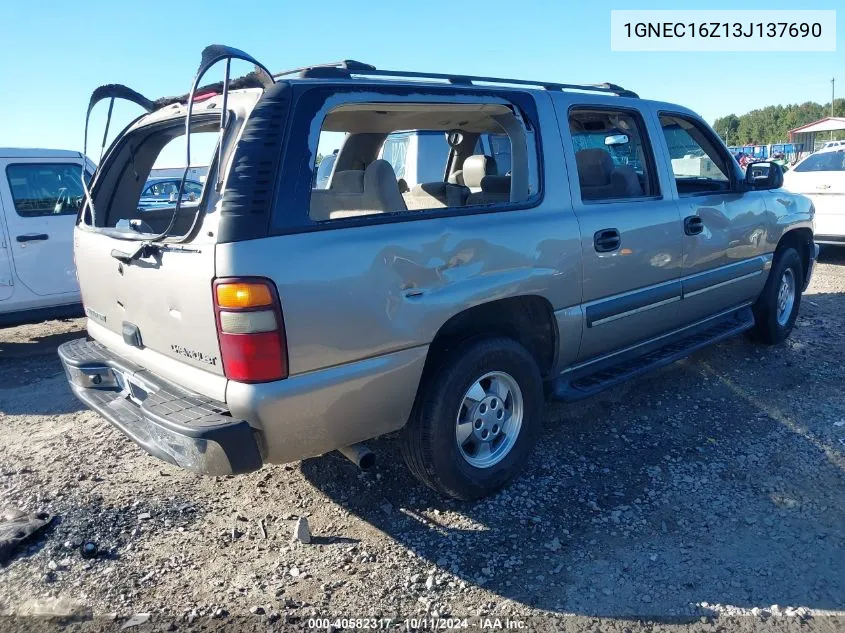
(301,531)
(645,598)
(257,610)
(294,572)
(145,516)
(429,583)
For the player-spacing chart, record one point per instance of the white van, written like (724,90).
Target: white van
(40,194)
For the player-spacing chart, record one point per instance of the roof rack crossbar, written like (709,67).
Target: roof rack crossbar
(349,67)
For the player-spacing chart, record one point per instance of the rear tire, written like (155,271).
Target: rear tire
(777,307)
(476,419)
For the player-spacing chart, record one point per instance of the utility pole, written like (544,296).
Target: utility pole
(832,99)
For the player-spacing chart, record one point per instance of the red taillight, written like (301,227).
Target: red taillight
(250,329)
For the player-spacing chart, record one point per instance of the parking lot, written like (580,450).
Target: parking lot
(711,491)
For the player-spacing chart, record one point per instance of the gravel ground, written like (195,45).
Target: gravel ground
(709,496)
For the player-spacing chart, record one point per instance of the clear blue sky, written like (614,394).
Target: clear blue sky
(53,54)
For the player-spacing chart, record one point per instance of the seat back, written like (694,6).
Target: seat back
(600,179)
(436,195)
(354,192)
(475,168)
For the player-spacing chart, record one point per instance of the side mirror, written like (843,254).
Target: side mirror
(764,175)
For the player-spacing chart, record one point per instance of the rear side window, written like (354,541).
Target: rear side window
(698,163)
(824,161)
(399,157)
(612,155)
(45,189)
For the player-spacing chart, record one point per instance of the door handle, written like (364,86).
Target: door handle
(606,240)
(693,225)
(32,237)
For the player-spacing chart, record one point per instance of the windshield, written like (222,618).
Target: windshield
(40,189)
(824,161)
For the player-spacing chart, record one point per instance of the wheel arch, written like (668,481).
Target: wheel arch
(801,239)
(527,319)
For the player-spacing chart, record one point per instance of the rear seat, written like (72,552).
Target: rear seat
(354,192)
(435,195)
(479,174)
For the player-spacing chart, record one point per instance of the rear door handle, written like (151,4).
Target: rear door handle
(32,237)
(606,240)
(693,225)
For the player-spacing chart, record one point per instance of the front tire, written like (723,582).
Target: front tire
(476,419)
(777,307)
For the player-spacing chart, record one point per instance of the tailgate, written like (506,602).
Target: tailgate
(156,312)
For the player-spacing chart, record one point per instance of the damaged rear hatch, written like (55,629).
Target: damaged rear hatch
(146,273)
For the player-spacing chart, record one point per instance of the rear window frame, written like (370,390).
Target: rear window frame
(291,206)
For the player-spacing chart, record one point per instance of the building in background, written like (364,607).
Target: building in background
(198,173)
(814,135)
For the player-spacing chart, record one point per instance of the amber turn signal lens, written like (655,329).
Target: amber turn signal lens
(243,295)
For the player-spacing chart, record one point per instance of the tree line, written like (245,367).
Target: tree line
(772,123)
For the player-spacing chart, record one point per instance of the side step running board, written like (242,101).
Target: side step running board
(583,382)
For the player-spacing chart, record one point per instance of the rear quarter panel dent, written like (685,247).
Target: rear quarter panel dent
(360,292)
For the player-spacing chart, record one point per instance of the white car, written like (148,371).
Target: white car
(40,195)
(821,177)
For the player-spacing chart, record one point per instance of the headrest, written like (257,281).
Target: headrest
(476,167)
(595,167)
(348,181)
(380,182)
(379,171)
(496,184)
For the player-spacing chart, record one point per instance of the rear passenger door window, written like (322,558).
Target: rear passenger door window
(698,164)
(612,155)
(45,189)
(396,157)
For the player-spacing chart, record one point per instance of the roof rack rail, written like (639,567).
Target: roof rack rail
(348,67)
(343,64)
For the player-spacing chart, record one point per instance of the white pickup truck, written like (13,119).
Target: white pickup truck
(40,194)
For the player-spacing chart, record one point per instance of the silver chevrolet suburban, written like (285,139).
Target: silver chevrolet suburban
(270,320)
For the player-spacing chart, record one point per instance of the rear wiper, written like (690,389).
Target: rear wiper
(148,249)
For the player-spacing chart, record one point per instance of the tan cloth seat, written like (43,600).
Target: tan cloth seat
(493,189)
(601,180)
(475,168)
(354,192)
(435,195)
